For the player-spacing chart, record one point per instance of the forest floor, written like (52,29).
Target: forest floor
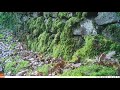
(16,60)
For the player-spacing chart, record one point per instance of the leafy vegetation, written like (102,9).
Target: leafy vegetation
(1,36)
(51,34)
(44,69)
(15,67)
(95,45)
(92,70)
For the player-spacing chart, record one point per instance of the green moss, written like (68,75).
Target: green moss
(113,31)
(94,45)
(94,70)
(64,51)
(118,13)
(64,15)
(1,36)
(84,14)
(66,46)
(35,32)
(37,25)
(43,41)
(47,14)
(57,25)
(79,15)
(54,42)
(44,69)
(56,51)
(15,67)
(55,37)
(86,50)
(21,66)
(9,38)
(72,22)
(10,66)
(115,46)
(34,45)
(49,23)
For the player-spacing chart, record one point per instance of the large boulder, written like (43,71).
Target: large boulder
(106,18)
(86,28)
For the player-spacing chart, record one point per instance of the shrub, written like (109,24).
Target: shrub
(95,45)
(94,70)
(15,67)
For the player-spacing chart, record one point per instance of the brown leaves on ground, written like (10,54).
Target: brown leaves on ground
(36,73)
(57,68)
(60,65)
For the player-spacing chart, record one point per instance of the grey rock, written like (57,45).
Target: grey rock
(35,14)
(106,18)
(54,14)
(1,69)
(22,73)
(86,27)
(77,31)
(35,63)
(110,55)
(76,65)
(31,59)
(9,73)
(25,18)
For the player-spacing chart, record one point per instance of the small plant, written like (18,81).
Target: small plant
(14,67)
(10,66)
(21,65)
(44,69)
(1,36)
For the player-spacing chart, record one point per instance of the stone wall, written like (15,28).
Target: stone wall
(61,34)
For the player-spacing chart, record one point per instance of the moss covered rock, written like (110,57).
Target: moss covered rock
(112,32)
(95,45)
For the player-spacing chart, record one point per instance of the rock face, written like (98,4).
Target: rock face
(106,18)
(86,28)
(100,19)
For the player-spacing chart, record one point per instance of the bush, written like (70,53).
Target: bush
(14,67)
(94,70)
(95,45)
